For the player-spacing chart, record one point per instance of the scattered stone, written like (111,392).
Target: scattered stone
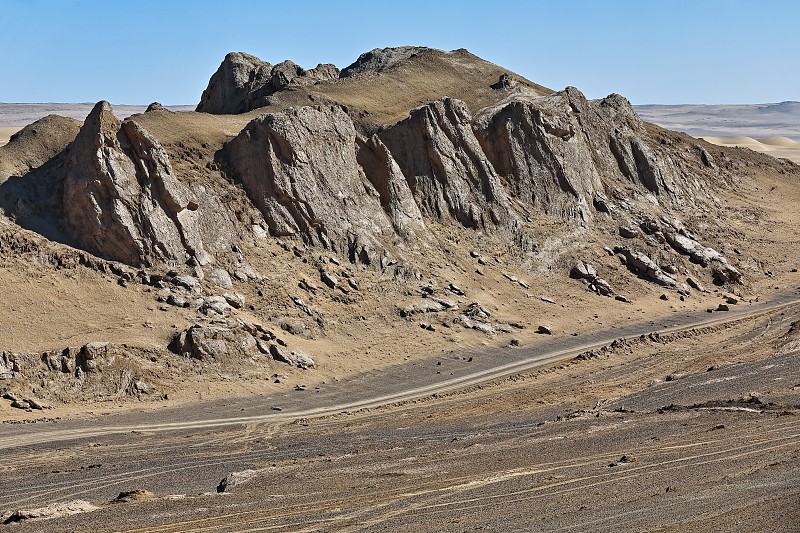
(215,305)
(301,304)
(477,325)
(177,301)
(477,311)
(544,330)
(547,300)
(664,297)
(627,232)
(138,495)
(696,285)
(583,270)
(353,284)
(308,286)
(221,278)
(20,404)
(514,342)
(640,263)
(234,299)
(620,298)
(455,290)
(297,358)
(723,307)
(731,300)
(328,279)
(294,327)
(190,283)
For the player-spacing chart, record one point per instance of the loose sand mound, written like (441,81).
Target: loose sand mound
(779,141)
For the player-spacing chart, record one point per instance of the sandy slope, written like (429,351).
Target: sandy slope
(776,146)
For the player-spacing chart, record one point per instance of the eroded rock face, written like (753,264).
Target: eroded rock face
(300,168)
(538,147)
(446,169)
(122,201)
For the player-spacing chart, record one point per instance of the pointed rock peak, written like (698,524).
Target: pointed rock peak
(101,120)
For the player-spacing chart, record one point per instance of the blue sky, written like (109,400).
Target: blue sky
(139,51)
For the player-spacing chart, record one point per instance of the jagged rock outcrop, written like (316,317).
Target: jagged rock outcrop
(538,147)
(244,82)
(122,201)
(380,59)
(300,168)
(446,169)
(233,87)
(385,175)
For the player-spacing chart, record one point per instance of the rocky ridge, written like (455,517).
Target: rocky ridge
(545,175)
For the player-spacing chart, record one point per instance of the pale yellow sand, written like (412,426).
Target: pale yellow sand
(774,146)
(6,133)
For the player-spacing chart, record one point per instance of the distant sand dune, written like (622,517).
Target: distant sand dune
(779,141)
(6,133)
(775,146)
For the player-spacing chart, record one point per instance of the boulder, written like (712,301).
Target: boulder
(215,305)
(221,340)
(297,358)
(221,278)
(583,270)
(640,263)
(234,299)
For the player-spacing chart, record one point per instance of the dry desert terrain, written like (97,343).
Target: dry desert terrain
(420,293)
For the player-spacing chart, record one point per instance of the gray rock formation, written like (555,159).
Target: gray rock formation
(244,82)
(381,59)
(300,168)
(122,201)
(218,341)
(235,86)
(446,168)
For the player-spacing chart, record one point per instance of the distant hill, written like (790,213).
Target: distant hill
(751,120)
